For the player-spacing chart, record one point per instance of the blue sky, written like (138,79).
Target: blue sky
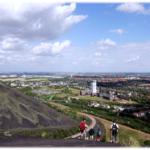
(75,37)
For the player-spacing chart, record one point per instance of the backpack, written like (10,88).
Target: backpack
(99,133)
(114,127)
(91,132)
(82,126)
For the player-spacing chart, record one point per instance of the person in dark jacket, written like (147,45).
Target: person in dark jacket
(91,133)
(114,128)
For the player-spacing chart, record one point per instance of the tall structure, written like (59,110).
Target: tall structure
(93,86)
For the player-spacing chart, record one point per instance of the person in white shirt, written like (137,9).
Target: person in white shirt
(114,128)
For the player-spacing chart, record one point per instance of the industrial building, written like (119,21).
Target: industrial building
(93,91)
(98,93)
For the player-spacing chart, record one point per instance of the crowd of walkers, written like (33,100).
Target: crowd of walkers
(83,128)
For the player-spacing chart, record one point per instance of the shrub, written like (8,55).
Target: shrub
(132,142)
(43,134)
(49,135)
(39,133)
(103,138)
(147,142)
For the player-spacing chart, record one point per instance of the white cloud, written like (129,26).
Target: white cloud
(132,59)
(49,49)
(133,7)
(104,44)
(37,21)
(97,54)
(118,31)
(12,44)
(107,42)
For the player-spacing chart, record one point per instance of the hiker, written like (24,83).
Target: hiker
(98,132)
(91,133)
(83,127)
(114,128)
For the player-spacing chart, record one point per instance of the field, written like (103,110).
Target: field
(75,91)
(11,79)
(38,79)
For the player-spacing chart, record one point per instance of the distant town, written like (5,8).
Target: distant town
(125,88)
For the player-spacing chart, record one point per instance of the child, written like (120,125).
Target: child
(98,132)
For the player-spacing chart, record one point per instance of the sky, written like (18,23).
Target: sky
(74,37)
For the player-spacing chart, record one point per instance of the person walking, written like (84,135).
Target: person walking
(83,127)
(98,132)
(114,128)
(91,133)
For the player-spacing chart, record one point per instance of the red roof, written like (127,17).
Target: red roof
(141,111)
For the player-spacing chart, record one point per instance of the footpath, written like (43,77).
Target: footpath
(90,126)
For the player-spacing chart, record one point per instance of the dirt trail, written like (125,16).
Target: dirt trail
(92,125)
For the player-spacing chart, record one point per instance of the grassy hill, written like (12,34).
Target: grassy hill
(18,111)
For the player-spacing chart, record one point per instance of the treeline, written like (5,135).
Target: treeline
(27,91)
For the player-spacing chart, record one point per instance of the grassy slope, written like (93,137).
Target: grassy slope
(124,133)
(22,106)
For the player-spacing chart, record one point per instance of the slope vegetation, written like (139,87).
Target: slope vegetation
(18,111)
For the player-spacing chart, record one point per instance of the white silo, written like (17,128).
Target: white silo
(93,86)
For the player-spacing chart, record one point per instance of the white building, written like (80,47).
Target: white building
(93,86)
(93,103)
(13,84)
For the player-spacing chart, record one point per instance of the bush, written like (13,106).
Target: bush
(132,142)
(39,133)
(147,142)
(49,135)
(103,138)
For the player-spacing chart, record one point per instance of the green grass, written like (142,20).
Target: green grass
(38,79)
(74,91)
(124,134)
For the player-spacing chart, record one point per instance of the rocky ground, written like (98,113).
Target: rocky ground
(23,141)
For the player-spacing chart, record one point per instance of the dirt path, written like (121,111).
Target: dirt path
(146,134)
(92,125)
